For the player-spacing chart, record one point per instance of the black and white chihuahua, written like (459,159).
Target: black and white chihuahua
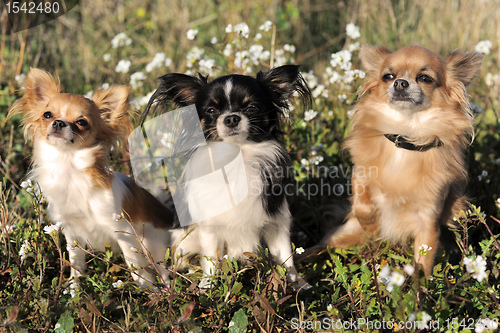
(246,111)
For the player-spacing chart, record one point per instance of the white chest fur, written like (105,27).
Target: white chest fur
(85,211)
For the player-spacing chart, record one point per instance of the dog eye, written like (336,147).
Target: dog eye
(425,78)
(251,109)
(82,122)
(210,111)
(48,115)
(388,77)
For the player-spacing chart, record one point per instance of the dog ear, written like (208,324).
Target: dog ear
(372,58)
(463,66)
(180,89)
(114,105)
(281,82)
(40,86)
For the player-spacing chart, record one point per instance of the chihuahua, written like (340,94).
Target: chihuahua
(247,112)
(73,137)
(409,132)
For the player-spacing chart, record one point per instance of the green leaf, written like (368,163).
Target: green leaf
(237,288)
(239,322)
(65,323)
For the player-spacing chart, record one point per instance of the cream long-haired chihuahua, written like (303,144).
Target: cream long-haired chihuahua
(409,132)
(73,137)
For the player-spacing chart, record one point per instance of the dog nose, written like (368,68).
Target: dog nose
(232,120)
(58,125)
(401,84)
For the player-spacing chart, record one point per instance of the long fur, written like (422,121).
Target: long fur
(245,111)
(71,165)
(401,194)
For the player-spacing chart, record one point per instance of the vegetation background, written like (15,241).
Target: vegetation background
(349,284)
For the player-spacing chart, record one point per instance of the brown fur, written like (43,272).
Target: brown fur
(154,212)
(412,194)
(73,137)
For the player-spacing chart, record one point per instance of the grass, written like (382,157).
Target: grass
(370,283)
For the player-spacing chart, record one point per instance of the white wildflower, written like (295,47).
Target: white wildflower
(409,269)
(486,324)
(266,26)
(9,228)
(158,61)
(214,40)
(426,318)
(329,307)
(54,227)
(206,66)
(106,57)
(20,79)
(193,55)
(477,267)
(71,289)
(385,273)
(117,284)
(139,102)
(167,140)
(352,31)
(341,59)
(227,50)
(191,34)
(300,250)
(258,36)
(491,79)
(104,86)
(423,249)
(397,279)
(242,29)
(136,80)
(120,39)
(289,48)
(484,47)
(334,75)
(309,115)
(342,98)
(23,250)
(89,94)
(354,47)
(320,90)
(231,323)
(390,279)
(123,66)
(229,28)
(26,183)
(311,79)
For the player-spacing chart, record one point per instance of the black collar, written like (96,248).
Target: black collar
(402,142)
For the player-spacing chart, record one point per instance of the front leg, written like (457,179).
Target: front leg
(429,237)
(208,259)
(277,237)
(363,208)
(76,253)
